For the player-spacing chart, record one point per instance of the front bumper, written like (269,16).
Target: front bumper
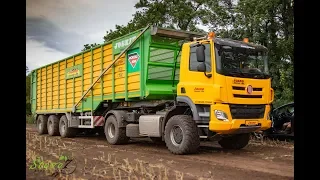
(236,126)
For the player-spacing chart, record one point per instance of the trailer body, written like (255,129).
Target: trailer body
(144,72)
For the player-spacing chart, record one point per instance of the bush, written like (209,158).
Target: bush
(30,119)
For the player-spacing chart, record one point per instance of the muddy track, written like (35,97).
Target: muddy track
(253,162)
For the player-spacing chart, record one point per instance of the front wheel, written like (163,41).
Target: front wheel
(181,135)
(237,141)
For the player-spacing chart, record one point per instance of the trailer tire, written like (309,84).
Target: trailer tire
(53,125)
(42,121)
(237,141)
(186,127)
(65,131)
(114,134)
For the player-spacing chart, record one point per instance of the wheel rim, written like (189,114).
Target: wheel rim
(40,125)
(111,130)
(176,135)
(50,126)
(62,127)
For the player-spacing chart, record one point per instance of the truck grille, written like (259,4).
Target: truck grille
(238,88)
(241,111)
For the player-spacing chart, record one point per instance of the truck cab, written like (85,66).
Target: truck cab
(227,84)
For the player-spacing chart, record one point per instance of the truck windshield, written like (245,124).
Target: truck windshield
(243,61)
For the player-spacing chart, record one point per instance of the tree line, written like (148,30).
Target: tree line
(268,22)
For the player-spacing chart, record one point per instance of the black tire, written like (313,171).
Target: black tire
(53,125)
(237,141)
(65,131)
(42,121)
(114,134)
(190,141)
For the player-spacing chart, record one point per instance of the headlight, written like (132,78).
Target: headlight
(221,115)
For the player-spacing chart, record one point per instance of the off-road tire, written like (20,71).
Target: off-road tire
(237,141)
(53,125)
(64,130)
(117,135)
(190,138)
(42,121)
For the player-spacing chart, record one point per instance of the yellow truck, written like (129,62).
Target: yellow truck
(168,85)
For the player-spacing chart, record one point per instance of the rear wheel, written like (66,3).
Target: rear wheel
(65,131)
(42,121)
(237,141)
(114,134)
(53,125)
(181,135)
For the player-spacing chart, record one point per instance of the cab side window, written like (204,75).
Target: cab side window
(193,63)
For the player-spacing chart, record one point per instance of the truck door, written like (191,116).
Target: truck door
(193,84)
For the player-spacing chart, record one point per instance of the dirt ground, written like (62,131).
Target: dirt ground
(94,158)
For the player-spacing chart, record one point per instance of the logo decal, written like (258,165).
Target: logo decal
(73,72)
(238,81)
(124,43)
(198,89)
(133,59)
(249,89)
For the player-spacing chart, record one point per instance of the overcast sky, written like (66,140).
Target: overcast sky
(56,29)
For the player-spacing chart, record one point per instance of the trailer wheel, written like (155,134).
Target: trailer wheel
(65,131)
(42,121)
(237,141)
(181,135)
(53,125)
(114,134)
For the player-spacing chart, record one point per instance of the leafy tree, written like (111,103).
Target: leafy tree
(89,46)
(268,22)
(175,14)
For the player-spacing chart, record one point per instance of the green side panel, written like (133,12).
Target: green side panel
(133,60)
(87,103)
(163,68)
(97,100)
(120,44)
(144,68)
(33,99)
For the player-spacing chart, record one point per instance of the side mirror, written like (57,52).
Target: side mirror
(201,67)
(200,53)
